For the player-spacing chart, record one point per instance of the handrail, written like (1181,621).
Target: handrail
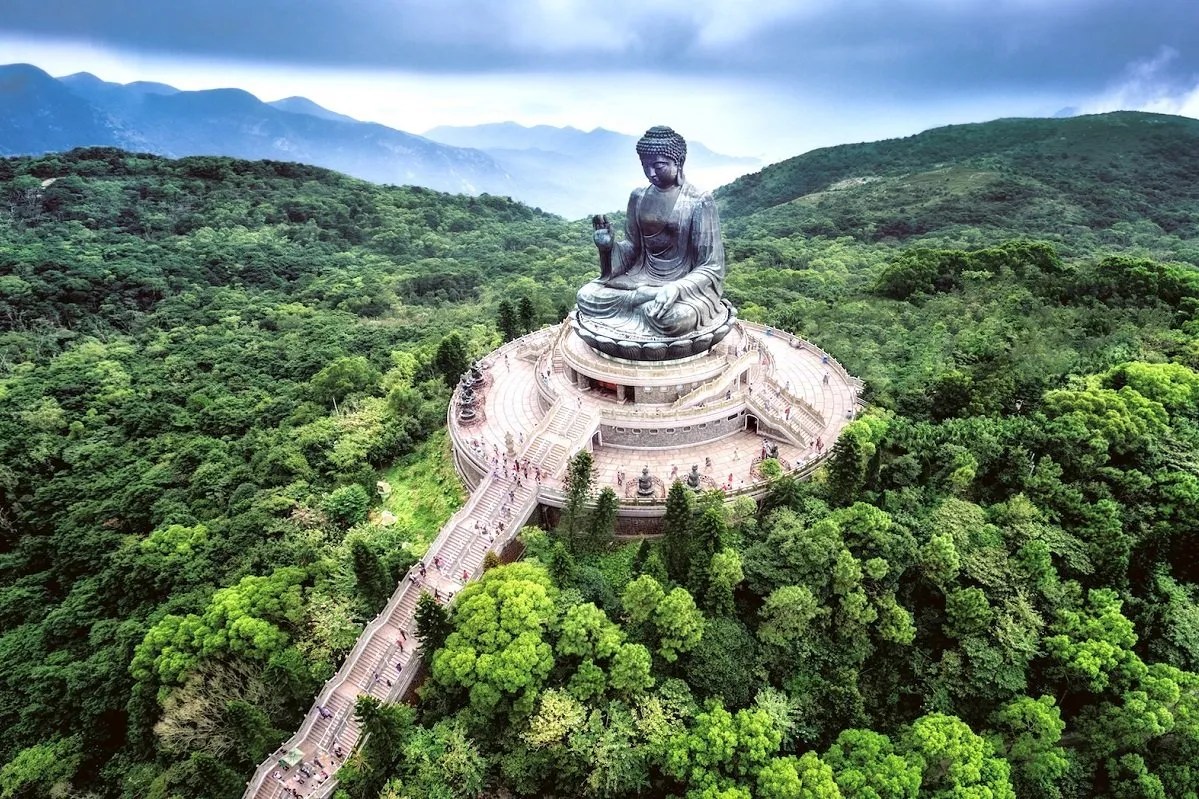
(796,401)
(584,435)
(333,684)
(402,592)
(543,425)
(460,434)
(842,372)
(415,661)
(785,425)
(556,497)
(666,412)
(544,388)
(733,371)
(343,675)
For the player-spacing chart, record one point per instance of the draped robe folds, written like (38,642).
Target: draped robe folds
(682,249)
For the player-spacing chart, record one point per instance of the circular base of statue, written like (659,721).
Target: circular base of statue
(621,344)
(549,395)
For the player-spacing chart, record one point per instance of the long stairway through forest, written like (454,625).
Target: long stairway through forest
(386,658)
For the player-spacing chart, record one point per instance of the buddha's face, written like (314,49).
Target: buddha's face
(662,170)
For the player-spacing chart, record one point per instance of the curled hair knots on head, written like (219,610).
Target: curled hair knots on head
(661,140)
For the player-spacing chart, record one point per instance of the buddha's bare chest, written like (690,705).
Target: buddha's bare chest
(655,212)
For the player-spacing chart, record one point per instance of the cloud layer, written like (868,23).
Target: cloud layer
(761,77)
(905,46)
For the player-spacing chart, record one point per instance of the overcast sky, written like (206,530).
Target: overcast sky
(768,78)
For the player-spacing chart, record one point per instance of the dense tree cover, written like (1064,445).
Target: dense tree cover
(989,591)
(921,632)
(203,364)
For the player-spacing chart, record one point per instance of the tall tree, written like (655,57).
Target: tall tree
(676,525)
(1029,732)
(386,729)
(343,378)
(507,321)
(724,575)
(680,624)
(444,761)
(707,538)
(954,760)
(580,480)
(432,624)
(602,523)
(803,777)
(372,578)
(498,650)
(452,358)
(526,313)
(850,467)
(866,766)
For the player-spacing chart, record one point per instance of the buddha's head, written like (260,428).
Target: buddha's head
(662,153)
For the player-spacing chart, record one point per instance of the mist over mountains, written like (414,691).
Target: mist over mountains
(562,170)
(582,172)
(39,113)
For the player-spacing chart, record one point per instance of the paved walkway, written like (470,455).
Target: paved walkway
(385,659)
(796,388)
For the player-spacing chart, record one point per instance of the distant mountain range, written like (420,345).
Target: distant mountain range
(562,170)
(40,114)
(581,172)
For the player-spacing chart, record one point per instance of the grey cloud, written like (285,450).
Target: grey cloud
(919,48)
(904,48)
(373,33)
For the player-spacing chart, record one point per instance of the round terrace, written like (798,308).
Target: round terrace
(549,396)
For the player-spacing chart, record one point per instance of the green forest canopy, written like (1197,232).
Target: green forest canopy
(206,364)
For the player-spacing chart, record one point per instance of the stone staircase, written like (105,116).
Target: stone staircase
(564,430)
(377,665)
(717,388)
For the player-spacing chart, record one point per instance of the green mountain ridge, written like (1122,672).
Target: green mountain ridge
(1053,178)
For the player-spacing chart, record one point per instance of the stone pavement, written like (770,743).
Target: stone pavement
(792,370)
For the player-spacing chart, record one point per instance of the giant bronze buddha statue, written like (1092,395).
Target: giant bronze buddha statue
(658,296)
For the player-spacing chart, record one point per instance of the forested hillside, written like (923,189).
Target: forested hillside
(206,365)
(205,362)
(1085,183)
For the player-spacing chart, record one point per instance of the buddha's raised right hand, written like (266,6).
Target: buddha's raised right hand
(603,232)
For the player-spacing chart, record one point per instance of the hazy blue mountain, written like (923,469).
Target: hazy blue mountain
(41,114)
(564,170)
(568,141)
(511,136)
(577,173)
(234,122)
(302,105)
(92,88)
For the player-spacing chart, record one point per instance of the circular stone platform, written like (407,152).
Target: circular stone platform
(548,395)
